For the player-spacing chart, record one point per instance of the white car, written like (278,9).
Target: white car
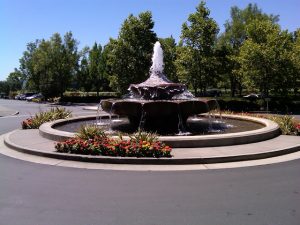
(252,96)
(36,96)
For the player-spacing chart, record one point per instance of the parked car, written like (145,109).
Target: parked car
(26,95)
(252,96)
(19,96)
(38,96)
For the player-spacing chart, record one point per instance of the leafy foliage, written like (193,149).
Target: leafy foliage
(90,132)
(265,58)
(286,123)
(49,65)
(234,37)
(144,136)
(42,117)
(196,52)
(129,58)
(252,54)
(169,49)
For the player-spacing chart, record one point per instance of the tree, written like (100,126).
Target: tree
(235,35)
(83,78)
(4,87)
(43,79)
(54,64)
(69,64)
(130,57)
(265,58)
(169,48)
(97,65)
(196,60)
(27,66)
(295,57)
(15,80)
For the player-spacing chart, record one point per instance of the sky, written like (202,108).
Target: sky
(24,21)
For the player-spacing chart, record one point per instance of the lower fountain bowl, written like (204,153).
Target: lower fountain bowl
(158,113)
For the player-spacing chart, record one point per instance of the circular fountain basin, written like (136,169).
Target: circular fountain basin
(267,130)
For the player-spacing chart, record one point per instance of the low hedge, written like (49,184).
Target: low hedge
(83,94)
(275,104)
(84,99)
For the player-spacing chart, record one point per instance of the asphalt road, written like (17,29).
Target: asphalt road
(34,194)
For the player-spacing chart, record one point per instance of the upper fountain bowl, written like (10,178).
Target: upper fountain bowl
(157,87)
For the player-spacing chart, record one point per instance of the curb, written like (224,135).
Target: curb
(151,161)
(13,114)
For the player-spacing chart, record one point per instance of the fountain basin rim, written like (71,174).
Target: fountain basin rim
(270,131)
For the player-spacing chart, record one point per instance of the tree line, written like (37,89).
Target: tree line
(253,54)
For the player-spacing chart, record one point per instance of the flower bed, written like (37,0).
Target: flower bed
(137,146)
(114,147)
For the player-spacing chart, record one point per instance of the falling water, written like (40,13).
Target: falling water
(99,121)
(142,121)
(110,119)
(181,128)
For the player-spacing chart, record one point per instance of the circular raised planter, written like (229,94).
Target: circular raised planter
(270,130)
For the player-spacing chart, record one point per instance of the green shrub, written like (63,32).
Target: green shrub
(143,136)
(286,123)
(90,132)
(47,116)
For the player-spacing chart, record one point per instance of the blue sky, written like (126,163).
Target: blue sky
(23,21)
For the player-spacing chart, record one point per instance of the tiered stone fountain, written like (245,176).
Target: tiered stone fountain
(158,102)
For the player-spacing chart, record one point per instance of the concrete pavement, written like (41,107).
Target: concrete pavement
(30,144)
(4,111)
(35,193)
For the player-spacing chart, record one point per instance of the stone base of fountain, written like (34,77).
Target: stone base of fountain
(151,115)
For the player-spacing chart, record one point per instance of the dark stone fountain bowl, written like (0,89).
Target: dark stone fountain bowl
(159,113)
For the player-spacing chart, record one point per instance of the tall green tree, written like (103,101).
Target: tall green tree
(170,55)
(97,67)
(83,78)
(196,59)
(27,66)
(54,64)
(235,35)
(130,58)
(265,58)
(15,80)
(69,65)
(295,57)
(4,87)
(43,79)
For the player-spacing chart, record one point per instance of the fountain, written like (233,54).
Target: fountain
(157,102)
(168,108)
